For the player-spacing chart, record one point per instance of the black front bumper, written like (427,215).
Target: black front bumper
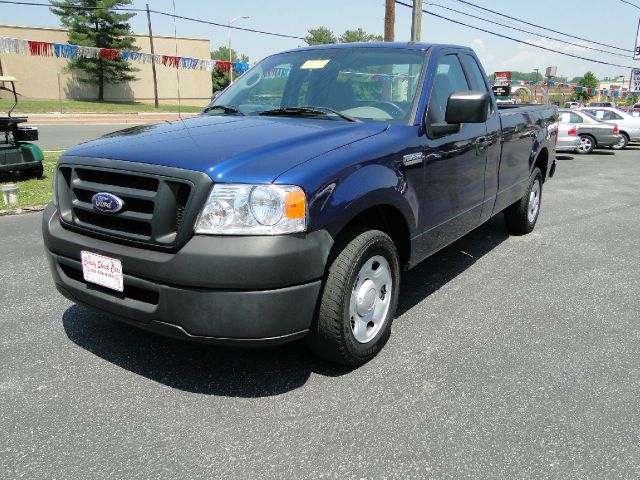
(227,290)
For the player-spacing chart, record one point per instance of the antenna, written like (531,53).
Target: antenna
(175,38)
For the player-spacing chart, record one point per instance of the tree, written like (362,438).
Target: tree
(589,80)
(97,25)
(359,35)
(219,79)
(320,36)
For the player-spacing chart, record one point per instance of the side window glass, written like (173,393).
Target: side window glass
(449,78)
(565,118)
(475,75)
(615,116)
(575,118)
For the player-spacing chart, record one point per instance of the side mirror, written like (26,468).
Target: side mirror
(463,107)
(467,107)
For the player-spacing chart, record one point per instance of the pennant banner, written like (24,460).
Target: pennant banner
(19,46)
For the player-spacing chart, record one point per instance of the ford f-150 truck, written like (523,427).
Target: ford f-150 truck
(289,208)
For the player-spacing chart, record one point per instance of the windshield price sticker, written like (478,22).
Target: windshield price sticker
(313,64)
(103,271)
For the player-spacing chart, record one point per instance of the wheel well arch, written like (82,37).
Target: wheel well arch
(623,132)
(387,219)
(542,162)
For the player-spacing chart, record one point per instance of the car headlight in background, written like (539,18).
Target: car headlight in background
(239,209)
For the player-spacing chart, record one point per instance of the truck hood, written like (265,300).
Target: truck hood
(229,148)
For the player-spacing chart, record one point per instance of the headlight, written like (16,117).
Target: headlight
(253,210)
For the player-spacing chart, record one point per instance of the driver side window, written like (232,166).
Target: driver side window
(449,78)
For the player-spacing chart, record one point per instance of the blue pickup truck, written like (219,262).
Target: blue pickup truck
(289,208)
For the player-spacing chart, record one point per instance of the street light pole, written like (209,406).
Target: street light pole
(230,59)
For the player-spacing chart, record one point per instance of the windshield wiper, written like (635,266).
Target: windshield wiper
(292,111)
(224,108)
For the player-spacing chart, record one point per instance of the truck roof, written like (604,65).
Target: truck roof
(398,45)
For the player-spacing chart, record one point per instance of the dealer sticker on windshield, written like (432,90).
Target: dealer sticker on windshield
(103,271)
(313,64)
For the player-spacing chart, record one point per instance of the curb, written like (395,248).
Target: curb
(21,210)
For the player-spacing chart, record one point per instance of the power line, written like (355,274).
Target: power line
(543,28)
(629,3)
(158,12)
(515,39)
(527,31)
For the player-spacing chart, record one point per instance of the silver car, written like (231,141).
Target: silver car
(593,133)
(628,124)
(568,139)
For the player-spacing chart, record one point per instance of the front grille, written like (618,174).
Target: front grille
(155,204)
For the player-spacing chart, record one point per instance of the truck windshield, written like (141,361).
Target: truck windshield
(343,84)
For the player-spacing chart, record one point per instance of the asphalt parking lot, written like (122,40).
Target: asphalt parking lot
(511,357)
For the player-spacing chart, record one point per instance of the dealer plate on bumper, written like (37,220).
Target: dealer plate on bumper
(103,271)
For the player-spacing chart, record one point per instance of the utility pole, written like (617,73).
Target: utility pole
(535,95)
(389,20)
(153,64)
(416,21)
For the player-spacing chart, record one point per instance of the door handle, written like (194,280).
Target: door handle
(481,144)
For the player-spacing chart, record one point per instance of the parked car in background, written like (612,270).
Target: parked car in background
(591,132)
(568,140)
(628,124)
(572,105)
(601,104)
(633,111)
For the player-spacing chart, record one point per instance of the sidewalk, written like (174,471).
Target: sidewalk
(101,118)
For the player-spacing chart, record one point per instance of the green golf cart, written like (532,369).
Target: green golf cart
(17,154)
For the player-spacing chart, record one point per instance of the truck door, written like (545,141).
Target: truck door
(454,187)
(493,146)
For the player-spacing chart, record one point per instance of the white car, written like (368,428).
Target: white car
(628,124)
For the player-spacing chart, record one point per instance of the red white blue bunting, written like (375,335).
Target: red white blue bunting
(62,50)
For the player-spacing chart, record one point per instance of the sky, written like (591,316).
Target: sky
(612,22)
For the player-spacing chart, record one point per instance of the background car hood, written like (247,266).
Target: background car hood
(229,148)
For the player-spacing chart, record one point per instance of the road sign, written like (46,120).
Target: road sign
(502,77)
(634,82)
(501,90)
(636,48)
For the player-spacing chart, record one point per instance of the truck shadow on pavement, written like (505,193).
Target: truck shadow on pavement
(252,373)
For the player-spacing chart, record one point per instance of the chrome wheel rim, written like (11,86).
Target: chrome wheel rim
(585,144)
(370,299)
(534,201)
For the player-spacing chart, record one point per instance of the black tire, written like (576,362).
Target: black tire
(624,141)
(516,216)
(38,171)
(587,144)
(35,172)
(332,335)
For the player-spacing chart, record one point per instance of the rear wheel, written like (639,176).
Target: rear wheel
(359,299)
(624,141)
(587,144)
(37,171)
(521,217)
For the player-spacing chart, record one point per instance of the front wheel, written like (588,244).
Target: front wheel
(359,299)
(521,217)
(624,141)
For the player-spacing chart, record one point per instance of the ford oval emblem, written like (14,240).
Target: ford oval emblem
(107,202)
